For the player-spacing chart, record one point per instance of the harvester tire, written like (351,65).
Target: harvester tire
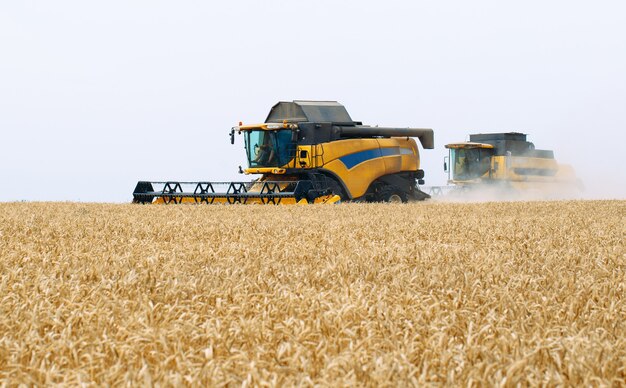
(392,195)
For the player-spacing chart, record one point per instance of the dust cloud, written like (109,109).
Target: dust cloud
(506,193)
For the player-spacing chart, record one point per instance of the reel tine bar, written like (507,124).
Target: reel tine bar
(268,189)
(234,189)
(203,188)
(169,192)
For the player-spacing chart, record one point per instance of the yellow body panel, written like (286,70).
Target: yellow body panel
(396,155)
(508,168)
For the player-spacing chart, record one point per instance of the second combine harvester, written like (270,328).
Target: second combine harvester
(509,165)
(312,152)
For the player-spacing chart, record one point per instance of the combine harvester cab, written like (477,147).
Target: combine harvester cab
(311,152)
(507,164)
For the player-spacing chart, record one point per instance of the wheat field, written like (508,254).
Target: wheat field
(354,294)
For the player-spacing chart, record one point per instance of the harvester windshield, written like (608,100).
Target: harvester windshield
(269,148)
(470,163)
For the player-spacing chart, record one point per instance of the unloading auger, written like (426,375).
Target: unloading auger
(311,152)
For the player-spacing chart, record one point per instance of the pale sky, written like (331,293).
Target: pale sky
(95,96)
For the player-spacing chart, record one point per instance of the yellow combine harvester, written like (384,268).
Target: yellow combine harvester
(507,161)
(311,152)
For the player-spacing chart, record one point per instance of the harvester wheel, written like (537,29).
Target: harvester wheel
(392,195)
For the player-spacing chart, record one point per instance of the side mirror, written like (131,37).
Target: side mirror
(294,135)
(232,136)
